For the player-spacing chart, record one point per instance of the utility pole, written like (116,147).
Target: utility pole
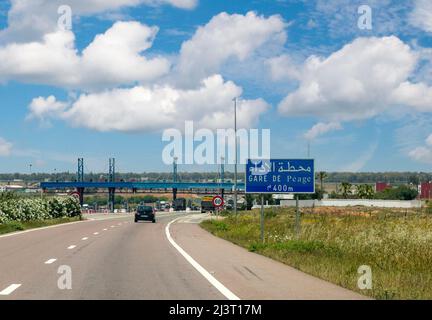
(222,170)
(175,178)
(222,174)
(235,165)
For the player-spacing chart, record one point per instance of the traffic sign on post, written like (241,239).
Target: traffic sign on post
(280,176)
(218,201)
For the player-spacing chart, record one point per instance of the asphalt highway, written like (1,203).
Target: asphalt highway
(111,257)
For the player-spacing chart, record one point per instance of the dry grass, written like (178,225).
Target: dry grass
(334,242)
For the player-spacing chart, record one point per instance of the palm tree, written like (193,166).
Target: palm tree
(322,175)
(346,189)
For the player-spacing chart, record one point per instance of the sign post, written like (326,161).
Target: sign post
(280,176)
(218,203)
(262,219)
(297,226)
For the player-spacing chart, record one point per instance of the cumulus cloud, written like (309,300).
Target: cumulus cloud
(155,108)
(322,128)
(283,68)
(30,20)
(423,153)
(42,107)
(5,147)
(421,16)
(416,95)
(359,81)
(112,58)
(225,37)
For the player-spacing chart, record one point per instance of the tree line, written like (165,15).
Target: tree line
(395,178)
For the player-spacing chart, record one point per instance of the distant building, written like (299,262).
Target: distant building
(425,190)
(381,186)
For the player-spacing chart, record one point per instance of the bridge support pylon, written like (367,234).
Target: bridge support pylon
(111,199)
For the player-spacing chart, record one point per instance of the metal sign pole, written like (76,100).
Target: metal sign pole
(297,223)
(262,218)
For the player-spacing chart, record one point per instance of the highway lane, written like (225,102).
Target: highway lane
(115,258)
(109,259)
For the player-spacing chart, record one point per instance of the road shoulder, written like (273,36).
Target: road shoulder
(252,276)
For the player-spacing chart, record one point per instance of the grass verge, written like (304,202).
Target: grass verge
(20,226)
(332,246)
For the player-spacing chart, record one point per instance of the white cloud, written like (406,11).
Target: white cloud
(29,20)
(423,153)
(322,128)
(359,81)
(112,58)
(283,68)
(429,140)
(225,37)
(416,95)
(41,107)
(421,16)
(5,147)
(156,108)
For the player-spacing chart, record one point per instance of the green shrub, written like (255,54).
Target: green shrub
(28,209)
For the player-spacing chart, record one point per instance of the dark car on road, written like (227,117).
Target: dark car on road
(145,213)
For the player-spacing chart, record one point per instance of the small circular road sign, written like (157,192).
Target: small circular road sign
(218,201)
(75,194)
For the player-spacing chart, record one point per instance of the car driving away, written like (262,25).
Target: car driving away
(145,213)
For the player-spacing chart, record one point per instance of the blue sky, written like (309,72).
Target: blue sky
(305,70)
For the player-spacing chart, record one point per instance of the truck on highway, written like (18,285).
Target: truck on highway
(207,204)
(179,204)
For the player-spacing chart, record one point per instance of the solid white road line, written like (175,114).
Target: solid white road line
(50,261)
(9,289)
(96,233)
(85,238)
(222,289)
(71,247)
(41,228)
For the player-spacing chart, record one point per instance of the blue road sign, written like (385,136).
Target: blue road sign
(280,176)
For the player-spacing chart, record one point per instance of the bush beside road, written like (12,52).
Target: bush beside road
(332,245)
(20,213)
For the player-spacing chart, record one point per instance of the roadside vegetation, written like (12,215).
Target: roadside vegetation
(334,242)
(14,226)
(21,212)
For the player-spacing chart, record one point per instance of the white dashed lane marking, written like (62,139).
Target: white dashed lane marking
(50,261)
(10,289)
(96,233)
(85,238)
(71,247)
